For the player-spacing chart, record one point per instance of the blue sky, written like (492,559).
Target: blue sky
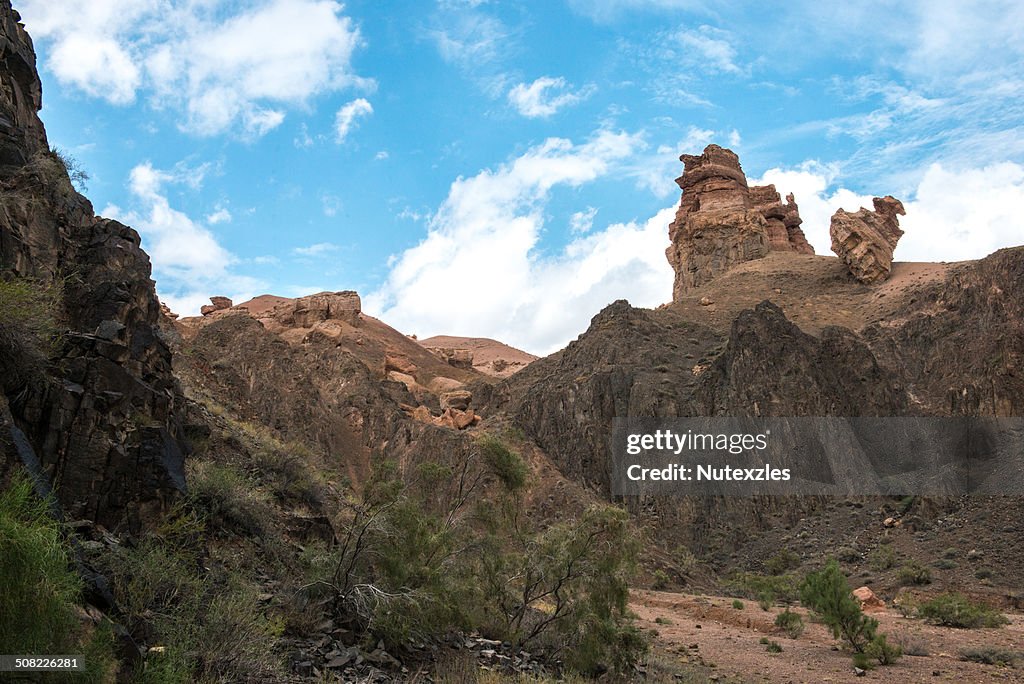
(505,169)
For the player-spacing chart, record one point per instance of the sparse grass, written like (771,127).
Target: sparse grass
(782,562)
(662,620)
(227,498)
(774,647)
(882,558)
(28,329)
(913,645)
(763,587)
(944,564)
(991,655)
(956,610)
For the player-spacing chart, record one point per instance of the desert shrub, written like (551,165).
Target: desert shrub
(39,590)
(756,587)
(227,498)
(790,623)
(509,466)
(882,558)
(782,562)
(848,554)
(983,573)
(76,173)
(737,604)
(944,564)
(660,581)
(827,593)
(288,475)
(882,651)
(773,647)
(956,610)
(28,329)
(913,645)
(662,620)
(991,655)
(914,573)
(765,601)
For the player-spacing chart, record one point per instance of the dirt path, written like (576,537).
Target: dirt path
(708,629)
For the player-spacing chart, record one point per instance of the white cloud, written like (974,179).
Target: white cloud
(952,215)
(346,117)
(545,96)
(189,264)
(709,49)
(227,67)
(655,172)
(480,252)
(316,250)
(221,215)
(582,221)
(381,156)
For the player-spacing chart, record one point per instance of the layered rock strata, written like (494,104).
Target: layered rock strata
(865,239)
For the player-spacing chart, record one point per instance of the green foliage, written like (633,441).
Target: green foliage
(28,329)
(882,558)
(509,466)
(914,573)
(828,594)
(773,647)
(737,604)
(782,562)
(39,590)
(863,661)
(956,610)
(991,655)
(882,651)
(790,623)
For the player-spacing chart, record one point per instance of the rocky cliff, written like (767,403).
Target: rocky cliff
(99,421)
(865,239)
(721,221)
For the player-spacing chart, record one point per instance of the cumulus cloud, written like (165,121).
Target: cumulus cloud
(582,221)
(224,66)
(345,119)
(952,215)
(478,271)
(545,96)
(189,264)
(221,215)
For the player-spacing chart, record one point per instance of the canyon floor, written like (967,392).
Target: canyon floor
(708,631)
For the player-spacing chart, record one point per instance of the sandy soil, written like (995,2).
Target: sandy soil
(708,630)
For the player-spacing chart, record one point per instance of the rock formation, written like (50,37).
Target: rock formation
(865,239)
(305,312)
(216,304)
(722,222)
(102,416)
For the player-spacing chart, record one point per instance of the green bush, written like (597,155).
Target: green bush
(509,466)
(774,647)
(790,623)
(757,587)
(782,562)
(737,604)
(956,610)
(227,498)
(882,651)
(827,593)
(914,573)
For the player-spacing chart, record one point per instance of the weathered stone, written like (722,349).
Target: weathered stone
(869,602)
(792,220)
(305,312)
(457,358)
(715,226)
(216,304)
(784,233)
(399,363)
(459,399)
(103,419)
(865,239)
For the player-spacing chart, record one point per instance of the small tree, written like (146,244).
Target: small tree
(827,593)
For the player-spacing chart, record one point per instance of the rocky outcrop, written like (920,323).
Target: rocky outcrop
(216,304)
(722,222)
(784,233)
(459,358)
(865,239)
(101,420)
(306,312)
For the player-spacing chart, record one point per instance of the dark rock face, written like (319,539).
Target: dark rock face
(103,422)
(865,239)
(722,222)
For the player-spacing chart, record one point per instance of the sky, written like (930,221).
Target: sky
(506,169)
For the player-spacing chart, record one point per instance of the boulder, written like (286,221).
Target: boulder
(459,399)
(865,239)
(869,601)
(398,362)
